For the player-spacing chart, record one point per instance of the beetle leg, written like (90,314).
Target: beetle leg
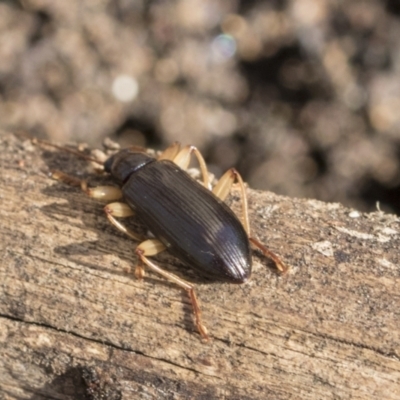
(182,159)
(121,210)
(224,186)
(222,189)
(106,193)
(153,246)
(282,267)
(139,270)
(170,152)
(68,179)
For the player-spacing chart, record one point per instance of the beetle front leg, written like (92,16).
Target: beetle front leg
(152,247)
(106,193)
(222,189)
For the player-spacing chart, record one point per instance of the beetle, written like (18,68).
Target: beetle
(188,218)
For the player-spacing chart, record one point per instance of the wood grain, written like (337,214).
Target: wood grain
(74,322)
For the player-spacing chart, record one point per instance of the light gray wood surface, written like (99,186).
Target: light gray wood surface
(73,317)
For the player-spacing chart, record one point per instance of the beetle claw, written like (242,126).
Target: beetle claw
(139,272)
(280,265)
(203,331)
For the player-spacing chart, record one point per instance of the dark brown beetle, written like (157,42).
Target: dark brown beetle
(187,218)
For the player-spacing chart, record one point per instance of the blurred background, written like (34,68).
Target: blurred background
(301,96)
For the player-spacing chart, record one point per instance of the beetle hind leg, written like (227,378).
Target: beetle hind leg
(280,265)
(181,157)
(222,189)
(152,247)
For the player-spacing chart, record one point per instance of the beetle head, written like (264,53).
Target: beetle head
(124,163)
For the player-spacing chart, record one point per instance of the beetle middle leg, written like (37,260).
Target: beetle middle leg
(121,210)
(222,189)
(152,247)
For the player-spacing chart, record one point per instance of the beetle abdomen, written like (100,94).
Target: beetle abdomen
(194,224)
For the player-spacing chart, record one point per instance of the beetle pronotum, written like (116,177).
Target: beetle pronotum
(186,217)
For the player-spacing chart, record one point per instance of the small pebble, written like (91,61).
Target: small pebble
(354,214)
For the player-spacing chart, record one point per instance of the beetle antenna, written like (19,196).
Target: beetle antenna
(62,148)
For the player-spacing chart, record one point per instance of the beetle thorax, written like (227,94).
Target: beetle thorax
(124,163)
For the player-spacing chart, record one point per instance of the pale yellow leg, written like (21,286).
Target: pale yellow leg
(182,159)
(222,189)
(153,246)
(121,210)
(148,248)
(170,152)
(106,193)
(103,193)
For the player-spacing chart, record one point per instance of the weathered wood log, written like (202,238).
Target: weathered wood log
(74,320)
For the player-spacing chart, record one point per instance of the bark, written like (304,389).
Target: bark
(75,322)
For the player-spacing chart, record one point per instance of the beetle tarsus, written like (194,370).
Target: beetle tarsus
(63,177)
(139,270)
(280,265)
(197,314)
